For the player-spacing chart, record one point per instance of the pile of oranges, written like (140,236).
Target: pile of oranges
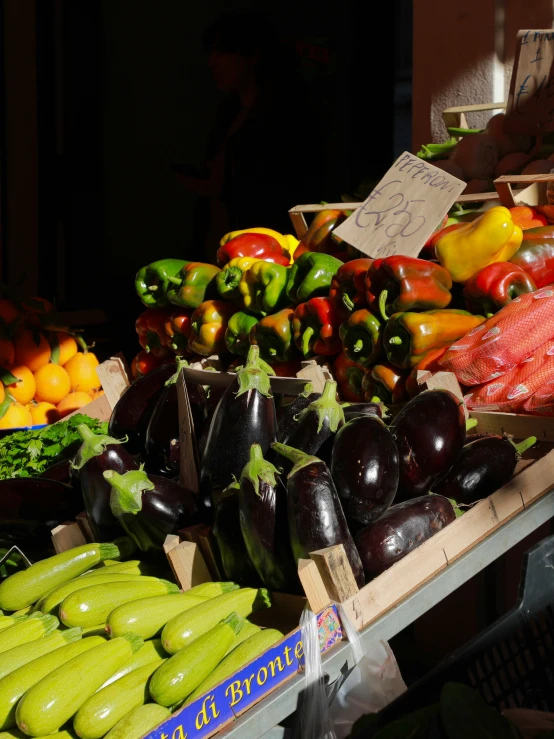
(52,377)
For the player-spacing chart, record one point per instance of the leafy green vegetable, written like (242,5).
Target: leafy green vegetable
(28,453)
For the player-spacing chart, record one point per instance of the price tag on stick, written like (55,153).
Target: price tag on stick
(403,210)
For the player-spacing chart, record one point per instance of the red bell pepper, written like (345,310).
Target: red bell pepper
(526,217)
(260,246)
(398,284)
(348,286)
(428,250)
(150,327)
(315,327)
(143,363)
(349,375)
(178,330)
(319,236)
(286,369)
(430,362)
(384,383)
(495,286)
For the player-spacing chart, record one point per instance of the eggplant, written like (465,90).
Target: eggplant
(149,507)
(61,472)
(401,530)
(286,415)
(132,411)
(38,499)
(263,522)
(355,410)
(482,468)
(430,432)
(244,416)
(234,556)
(34,538)
(315,515)
(365,468)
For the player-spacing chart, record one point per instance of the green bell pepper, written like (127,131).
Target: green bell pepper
(273,334)
(237,334)
(152,282)
(310,276)
(361,337)
(263,287)
(194,284)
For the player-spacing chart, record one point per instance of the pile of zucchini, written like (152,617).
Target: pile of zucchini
(91,647)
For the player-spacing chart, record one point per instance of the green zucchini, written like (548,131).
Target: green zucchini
(137,723)
(212,589)
(148,616)
(93,605)
(132,567)
(24,653)
(58,696)
(152,651)
(108,706)
(18,682)
(237,659)
(6,621)
(96,630)
(15,734)
(32,628)
(50,602)
(22,611)
(27,586)
(248,630)
(183,672)
(186,627)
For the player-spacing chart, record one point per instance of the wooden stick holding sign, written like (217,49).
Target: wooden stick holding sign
(189,464)
(403,210)
(113,377)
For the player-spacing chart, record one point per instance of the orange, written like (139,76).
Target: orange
(17,416)
(43,413)
(36,307)
(67,348)
(82,372)
(8,312)
(30,353)
(24,390)
(52,383)
(72,402)
(93,394)
(7,353)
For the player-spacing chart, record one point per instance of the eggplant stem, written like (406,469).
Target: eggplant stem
(306,338)
(383,304)
(346,299)
(300,459)
(395,340)
(453,131)
(471,423)
(524,445)
(253,376)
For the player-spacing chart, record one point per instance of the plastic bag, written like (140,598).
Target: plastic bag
(374,682)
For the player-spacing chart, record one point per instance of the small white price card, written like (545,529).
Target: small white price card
(403,210)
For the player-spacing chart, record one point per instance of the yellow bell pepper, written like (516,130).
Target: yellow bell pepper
(491,238)
(287,241)
(227,281)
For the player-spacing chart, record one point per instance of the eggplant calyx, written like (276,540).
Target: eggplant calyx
(258,469)
(383,304)
(471,423)
(326,407)
(127,489)
(308,390)
(300,459)
(180,364)
(253,376)
(93,445)
(524,445)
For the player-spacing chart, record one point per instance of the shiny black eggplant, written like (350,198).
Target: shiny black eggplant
(61,472)
(315,515)
(355,410)
(365,468)
(263,521)
(286,415)
(430,432)
(482,468)
(244,416)
(34,538)
(235,560)
(97,454)
(132,411)
(149,507)
(38,499)
(401,530)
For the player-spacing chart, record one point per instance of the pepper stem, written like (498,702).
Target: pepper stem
(252,376)
(346,299)
(383,304)
(395,340)
(524,445)
(306,338)
(93,445)
(127,489)
(258,469)
(326,408)
(358,346)
(300,459)
(471,423)
(174,280)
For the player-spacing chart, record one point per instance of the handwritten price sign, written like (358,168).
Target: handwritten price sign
(531,101)
(403,210)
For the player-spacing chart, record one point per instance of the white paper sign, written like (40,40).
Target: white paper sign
(403,210)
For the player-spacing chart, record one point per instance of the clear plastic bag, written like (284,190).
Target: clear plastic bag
(371,685)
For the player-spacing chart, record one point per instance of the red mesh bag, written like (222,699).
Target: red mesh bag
(541,403)
(503,341)
(509,392)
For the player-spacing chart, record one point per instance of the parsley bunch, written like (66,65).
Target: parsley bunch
(28,453)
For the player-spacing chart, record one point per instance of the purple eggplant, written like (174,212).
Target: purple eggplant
(482,468)
(355,410)
(61,472)
(149,507)
(430,432)
(263,521)
(38,499)
(365,468)
(234,556)
(97,454)
(316,518)
(401,530)
(286,415)
(244,416)
(132,411)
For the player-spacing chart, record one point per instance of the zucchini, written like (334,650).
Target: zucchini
(148,616)
(59,695)
(15,734)
(212,589)
(22,611)
(94,604)
(248,630)
(27,586)
(183,672)
(137,723)
(132,567)
(30,629)
(237,659)
(186,627)
(51,601)
(18,682)
(108,706)
(24,653)
(152,651)
(6,621)
(96,630)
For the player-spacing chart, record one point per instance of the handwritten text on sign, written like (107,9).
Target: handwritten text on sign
(531,101)
(403,210)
